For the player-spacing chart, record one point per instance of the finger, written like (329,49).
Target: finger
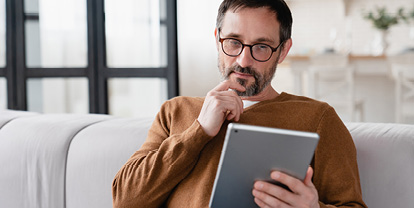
(223,90)
(229,96)
(263,199)
(239,107)
(308,178)
(234,104)
(238,100)
(227,84)
(294,184)
(260,203)
(230,116)
(272,194)
(233,112)
(236,114)
(306,192)
(227,104)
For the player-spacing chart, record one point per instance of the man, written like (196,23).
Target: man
(177,164)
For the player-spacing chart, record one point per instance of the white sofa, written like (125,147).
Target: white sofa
(69,161)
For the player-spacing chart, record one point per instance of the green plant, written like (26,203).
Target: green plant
(383,20)
(407,17)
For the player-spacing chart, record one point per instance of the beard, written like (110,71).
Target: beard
(261,81)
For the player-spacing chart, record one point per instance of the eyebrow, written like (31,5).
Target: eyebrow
(259,40)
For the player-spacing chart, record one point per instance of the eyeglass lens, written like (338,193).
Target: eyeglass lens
(260,52)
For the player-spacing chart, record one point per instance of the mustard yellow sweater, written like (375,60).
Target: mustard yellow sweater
(177,164)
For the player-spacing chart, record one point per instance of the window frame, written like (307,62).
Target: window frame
(97,72)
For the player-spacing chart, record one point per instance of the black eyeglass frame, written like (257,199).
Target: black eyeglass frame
(250,46)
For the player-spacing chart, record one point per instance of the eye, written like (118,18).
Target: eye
(261,48)
(234,43)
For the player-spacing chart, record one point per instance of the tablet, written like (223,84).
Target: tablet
(250,153)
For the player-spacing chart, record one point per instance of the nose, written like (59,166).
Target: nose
(245,59)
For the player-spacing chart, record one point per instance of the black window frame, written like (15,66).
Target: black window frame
(97,72)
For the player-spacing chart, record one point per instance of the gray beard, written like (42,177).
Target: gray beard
(260,83)
(251,90)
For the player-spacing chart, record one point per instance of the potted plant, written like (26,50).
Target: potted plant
(408,17)
(382,20)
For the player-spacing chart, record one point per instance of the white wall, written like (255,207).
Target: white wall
(314,22)
(197,50)
(315,19)
(196,46)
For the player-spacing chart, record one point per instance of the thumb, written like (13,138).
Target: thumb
(308,178)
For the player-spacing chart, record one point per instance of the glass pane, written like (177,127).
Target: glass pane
(134,34)
(59,39)
(31,6)
(58,95)
(33,56)
(3,93)
(136,97)
(163,10)
(2,33)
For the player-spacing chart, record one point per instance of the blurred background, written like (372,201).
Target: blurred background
(127,57)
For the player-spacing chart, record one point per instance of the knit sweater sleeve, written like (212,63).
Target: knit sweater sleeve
(152,172)
(335,165)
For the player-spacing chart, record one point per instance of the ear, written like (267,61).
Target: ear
(285,51)
(216,38)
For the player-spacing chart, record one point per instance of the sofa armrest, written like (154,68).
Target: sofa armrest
(385,161)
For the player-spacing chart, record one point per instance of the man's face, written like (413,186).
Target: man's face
(250,26)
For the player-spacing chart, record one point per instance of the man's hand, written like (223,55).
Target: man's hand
(270,195)
(221,104)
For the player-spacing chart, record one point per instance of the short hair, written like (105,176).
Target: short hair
(279,7)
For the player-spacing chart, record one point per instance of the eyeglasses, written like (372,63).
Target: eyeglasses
(260,52)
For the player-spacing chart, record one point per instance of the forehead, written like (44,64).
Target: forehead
(251,24)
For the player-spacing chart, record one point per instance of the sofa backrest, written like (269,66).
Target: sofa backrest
(386,163)
(96,154)
(69,161)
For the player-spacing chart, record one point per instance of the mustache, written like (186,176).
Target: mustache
(244,70)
